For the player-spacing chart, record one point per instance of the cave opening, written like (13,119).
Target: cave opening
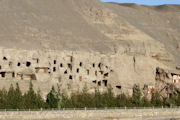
(77,70)
(61,65)
(4,58)
(105,83)
(80,64)
(70,77)
(118,86)
(54,69)
(18,64)
(54,61)
(99,83)
(28,64)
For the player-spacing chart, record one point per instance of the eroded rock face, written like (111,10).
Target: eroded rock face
(164,82)
(72,70)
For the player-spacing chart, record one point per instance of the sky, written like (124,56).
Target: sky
(146,2)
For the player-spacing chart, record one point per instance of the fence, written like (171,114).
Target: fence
(81,109)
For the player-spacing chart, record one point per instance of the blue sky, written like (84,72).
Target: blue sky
(146,2)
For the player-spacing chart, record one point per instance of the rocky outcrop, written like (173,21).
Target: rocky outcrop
(164,83)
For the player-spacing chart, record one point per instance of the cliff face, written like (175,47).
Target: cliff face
(132,40)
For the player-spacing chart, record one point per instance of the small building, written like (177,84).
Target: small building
(176,78)
(69,58)
(42,69)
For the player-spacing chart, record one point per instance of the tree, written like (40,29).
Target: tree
(3,98)
(65,101)
(136,97)
(109,98)
(145,102)
(156,99)
(98,98)
(39,100)
(178,99)
(11,103)
(52,98)
(123,101)
(18,97)
(31,100)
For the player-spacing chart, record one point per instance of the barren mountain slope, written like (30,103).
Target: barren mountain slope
(84,25)
(53,24)
(162,23)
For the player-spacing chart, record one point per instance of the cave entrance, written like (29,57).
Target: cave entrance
(105,83)
(70,77)
(77,70)
(94,81)
(61,65)
(118,87)
(28,64)
(70,66)
(54,61)
(80,64)
(87,72)
(106,75)
(65,72)
(3,74)
(93,65)
(99,83)
(4,58)
(18,64)
(54,69)
(100,65)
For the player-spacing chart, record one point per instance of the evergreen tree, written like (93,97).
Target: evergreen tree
(86,98)
(108,98)
(178,99)
(156,99)
(98,99)
(3,99)
(123,101)
(52,98)
(13,99)
(30,98)
(65,101)
(39,100)
(18,97)
(11,103)
(145,102)
(136,97)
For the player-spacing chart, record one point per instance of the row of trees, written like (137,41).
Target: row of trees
(14,99)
